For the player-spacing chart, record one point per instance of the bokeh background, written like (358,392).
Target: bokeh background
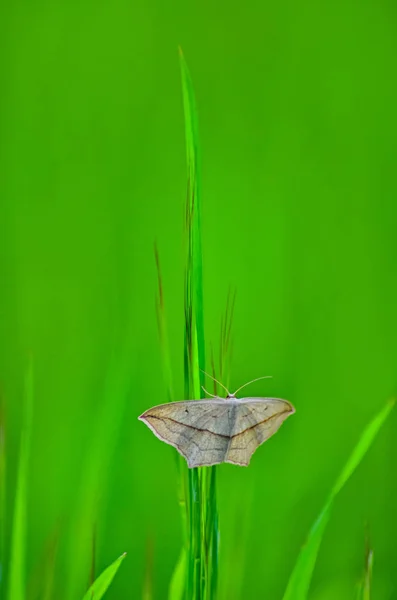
(298,125)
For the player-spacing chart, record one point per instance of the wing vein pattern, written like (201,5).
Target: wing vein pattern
(209,432)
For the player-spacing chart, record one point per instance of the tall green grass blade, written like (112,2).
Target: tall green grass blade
(361,448)
(147,592)
(236,566)
(163,334)
(93,555)
(368,576)
(178,581)
(177,584)
(101,584)
(193,222)
(201,482)
(42,578)
(94,474)
(299,582)
(225,346)
(17,571)
(2,494)
(364,587)
(235,553)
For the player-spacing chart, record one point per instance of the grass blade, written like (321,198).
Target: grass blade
(177,585)
(368,575)
(361,448)
(95,470)
(364,587)
(42,578)
(201,498)
(17,572)
(101,584)
(299,582)
(2,494)
(147,592)
(162,327)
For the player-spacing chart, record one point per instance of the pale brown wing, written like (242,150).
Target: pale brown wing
(257,419)
(209,432)
(199,429)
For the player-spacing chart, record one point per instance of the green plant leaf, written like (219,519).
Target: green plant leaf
(201,543)
(364,586)
(17,576)
(178,581)
(299,582)
(368,576)
(162,328)
(2,493)
(41,581)
(101,584)
(95,471)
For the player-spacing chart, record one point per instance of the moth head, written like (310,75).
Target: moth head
(230,396)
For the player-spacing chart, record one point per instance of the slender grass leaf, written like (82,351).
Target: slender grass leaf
(368,576)
(93,555)
(299,582)
(2,493)
(193,220)
(178,581)
(17,573)
(42,577)
(361,448)
(177,585)
(364,587)
(95,471)
(191,357)
(201,499)
(147,592)
(236,552)
(163,334)
(101,584)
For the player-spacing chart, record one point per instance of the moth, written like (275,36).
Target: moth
(217,430)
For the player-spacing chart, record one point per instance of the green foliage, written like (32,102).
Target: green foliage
(42,579)
(300,187)
(98,588)
(226,346)
(95,472)
(202,540)
(2,494)
(178,581)
(298,585)
(364,586)
(162,328)
(17,573)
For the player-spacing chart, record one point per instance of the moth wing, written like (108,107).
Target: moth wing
(198,429)
(257,419)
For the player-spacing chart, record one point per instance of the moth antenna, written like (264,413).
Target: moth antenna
(218,382)
(204,390)
(252,381)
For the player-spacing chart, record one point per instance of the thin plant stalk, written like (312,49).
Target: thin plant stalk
(17,568)
(201,500)
(2,494)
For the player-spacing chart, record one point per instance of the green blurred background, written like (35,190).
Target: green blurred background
(298,127)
